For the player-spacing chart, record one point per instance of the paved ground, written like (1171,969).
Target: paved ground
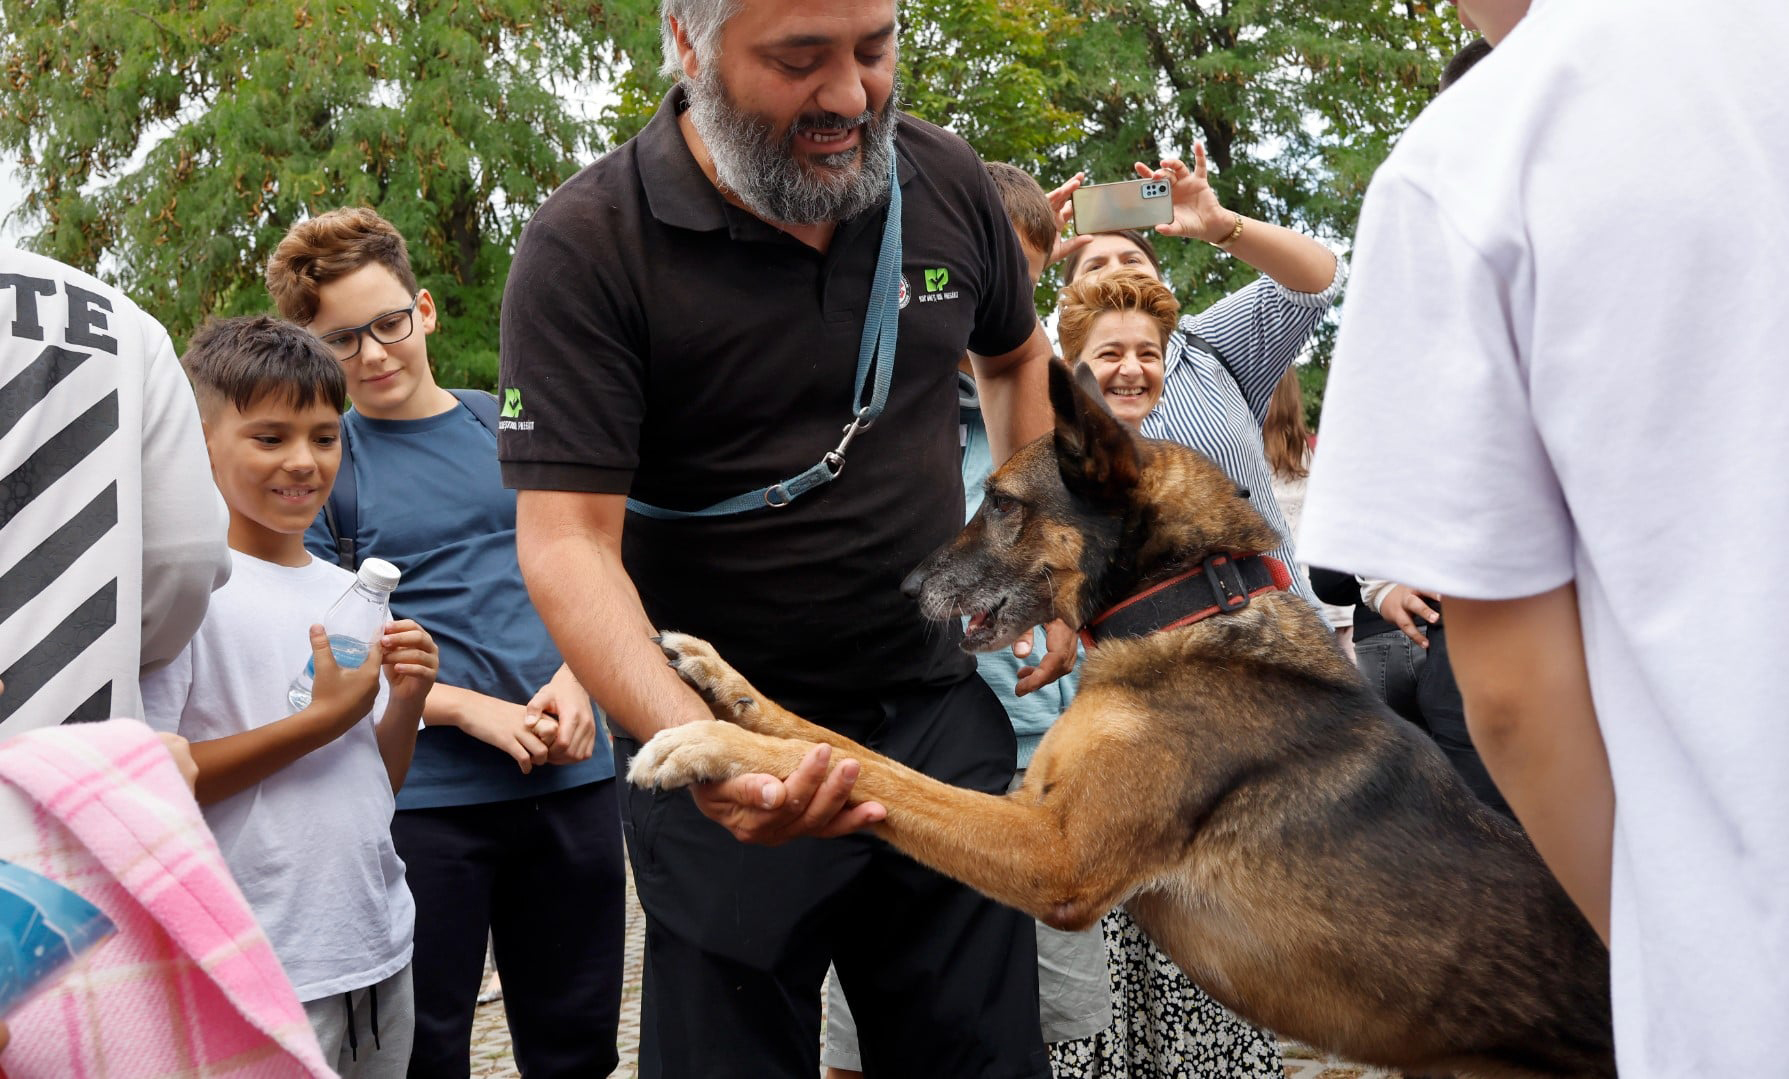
(490,1035)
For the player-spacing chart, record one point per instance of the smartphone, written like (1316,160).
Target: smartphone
(1130,204)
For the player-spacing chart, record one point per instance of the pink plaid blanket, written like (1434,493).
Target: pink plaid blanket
(189,985)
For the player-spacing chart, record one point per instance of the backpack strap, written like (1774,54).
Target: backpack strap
(481,404)
(341,513)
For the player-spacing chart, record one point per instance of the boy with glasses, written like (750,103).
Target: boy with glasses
(509,824)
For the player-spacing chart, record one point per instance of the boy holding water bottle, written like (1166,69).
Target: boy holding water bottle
(300,794)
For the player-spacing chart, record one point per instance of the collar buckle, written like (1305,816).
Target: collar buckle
(1227,585)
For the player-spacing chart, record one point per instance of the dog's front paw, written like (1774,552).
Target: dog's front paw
(691,753)
(728,695)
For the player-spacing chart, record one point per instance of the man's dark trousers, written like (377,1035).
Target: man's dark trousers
(942,981)
(541,878)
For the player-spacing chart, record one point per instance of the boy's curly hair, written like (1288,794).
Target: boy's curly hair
(316,252)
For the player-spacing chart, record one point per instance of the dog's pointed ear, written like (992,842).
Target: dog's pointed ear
(1098,457)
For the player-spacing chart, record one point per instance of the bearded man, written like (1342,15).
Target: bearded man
(682,325)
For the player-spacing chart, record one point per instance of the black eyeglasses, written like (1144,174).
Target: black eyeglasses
(387,329)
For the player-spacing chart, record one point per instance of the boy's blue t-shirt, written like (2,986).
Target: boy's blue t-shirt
(431,501)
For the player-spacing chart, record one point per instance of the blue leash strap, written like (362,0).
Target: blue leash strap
(877,350)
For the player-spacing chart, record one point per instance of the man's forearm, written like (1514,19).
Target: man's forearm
(589,604)
(1521,669)
(1015,399)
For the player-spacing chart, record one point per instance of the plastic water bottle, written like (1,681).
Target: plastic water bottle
(353,623)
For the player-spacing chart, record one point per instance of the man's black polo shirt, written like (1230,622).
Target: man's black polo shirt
(668,345)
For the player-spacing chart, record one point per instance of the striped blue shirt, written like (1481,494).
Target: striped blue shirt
(1216,406)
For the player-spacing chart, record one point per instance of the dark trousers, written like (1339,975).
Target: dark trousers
(542,878)
(943,982)
(1419,686)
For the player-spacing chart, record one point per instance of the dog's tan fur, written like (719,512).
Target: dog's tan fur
(1305,857)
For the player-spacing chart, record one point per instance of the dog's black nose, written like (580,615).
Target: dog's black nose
(914,582)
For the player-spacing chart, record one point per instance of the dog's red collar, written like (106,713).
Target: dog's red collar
(1218,585)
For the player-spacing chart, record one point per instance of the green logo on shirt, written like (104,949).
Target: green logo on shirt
(512,404)
(937,279)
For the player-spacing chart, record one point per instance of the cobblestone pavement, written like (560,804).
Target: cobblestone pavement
(490,1034)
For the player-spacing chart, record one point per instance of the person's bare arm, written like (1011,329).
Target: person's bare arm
(411,663)
(339,699)
(491,720)
(1520,665)
(1015,399)
(569,546)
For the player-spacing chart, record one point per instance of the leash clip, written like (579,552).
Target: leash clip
(835,457)
(1226,582)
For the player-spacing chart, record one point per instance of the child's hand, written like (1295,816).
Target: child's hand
(411,662)
(342,696)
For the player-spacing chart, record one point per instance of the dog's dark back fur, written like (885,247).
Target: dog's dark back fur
(1316,865)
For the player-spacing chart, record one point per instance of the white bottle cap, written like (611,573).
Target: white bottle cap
(379,574)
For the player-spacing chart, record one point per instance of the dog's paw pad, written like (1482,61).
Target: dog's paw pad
(682,755)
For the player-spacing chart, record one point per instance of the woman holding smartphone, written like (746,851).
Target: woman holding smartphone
(1211,391)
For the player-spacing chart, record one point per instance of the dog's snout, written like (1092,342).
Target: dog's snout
(914,582)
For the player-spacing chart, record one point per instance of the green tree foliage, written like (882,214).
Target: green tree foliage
(169,144)
(1296,101)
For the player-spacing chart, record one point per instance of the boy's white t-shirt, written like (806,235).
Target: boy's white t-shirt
(1559,361)
(311,844)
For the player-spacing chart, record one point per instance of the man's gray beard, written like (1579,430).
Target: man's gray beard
(764,173)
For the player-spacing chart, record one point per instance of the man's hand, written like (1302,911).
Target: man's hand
(1197,213)
(562,718)
(1062,200)
(770,811)
(1403,605)
(1060,649)
(505,725)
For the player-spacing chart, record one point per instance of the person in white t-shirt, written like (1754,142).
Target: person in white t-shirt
(111,537)
(1569,275)
(300,801)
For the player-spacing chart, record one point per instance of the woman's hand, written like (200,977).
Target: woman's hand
(1197,213)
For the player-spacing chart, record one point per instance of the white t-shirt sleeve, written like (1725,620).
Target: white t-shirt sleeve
(184,521)
(166,690)
(1429,468)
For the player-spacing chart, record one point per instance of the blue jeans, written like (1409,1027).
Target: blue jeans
(1419,686)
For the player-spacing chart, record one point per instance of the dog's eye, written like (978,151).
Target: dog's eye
(1002,504)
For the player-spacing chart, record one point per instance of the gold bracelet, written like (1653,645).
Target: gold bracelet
(1227,242)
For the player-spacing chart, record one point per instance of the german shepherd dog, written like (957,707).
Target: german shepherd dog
(1309,859)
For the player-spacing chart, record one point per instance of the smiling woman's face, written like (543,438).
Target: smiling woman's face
(1124,349)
